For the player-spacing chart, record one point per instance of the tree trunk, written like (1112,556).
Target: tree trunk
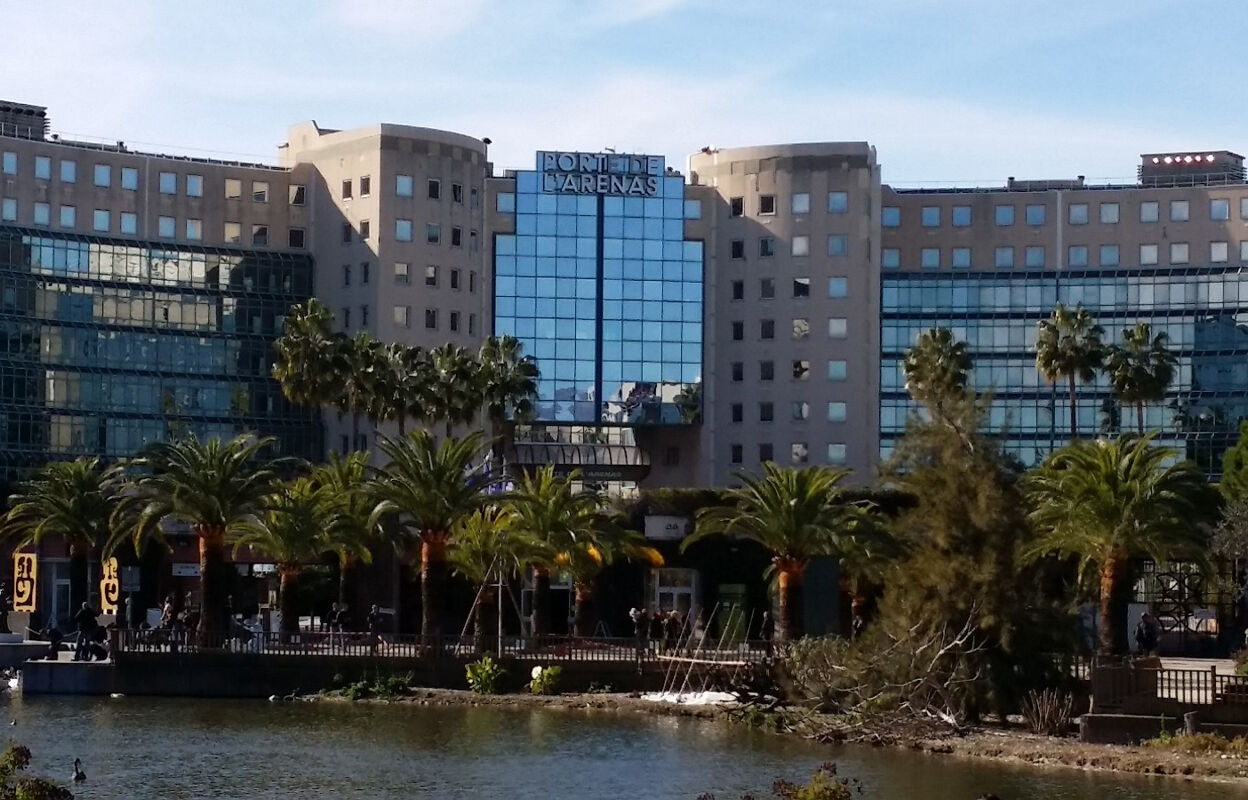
(288,579)
(1074,411)
(1139,416)
(789,617)
(79,580)
(212,588)
(485,618)
(541,602)
(346,586)
(432,585)
(584,614)
(1113,622)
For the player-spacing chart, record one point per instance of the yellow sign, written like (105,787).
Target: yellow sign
(25,581)
(110,587)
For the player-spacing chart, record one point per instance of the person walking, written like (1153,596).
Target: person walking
(375,618)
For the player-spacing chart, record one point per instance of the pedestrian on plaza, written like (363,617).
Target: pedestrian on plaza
(86,621)
(671,629)
(375,619)
(1147,634)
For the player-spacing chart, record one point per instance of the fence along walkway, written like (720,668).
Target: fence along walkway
(1138,688)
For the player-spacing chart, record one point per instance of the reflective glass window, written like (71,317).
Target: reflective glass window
(1180,210)
(403,230)
(1148,211)
(1218,252)
(837,370)
(1077,255)
(693,209)
(69,216)
(129,223)
(837,453)
(1004,215)
(1109,213)
(961,216)
(1035,214)
(929,258)
(960,258)
(890,258)
(1078,214)
(1035,256)
(929,216)
(890,216)
(99,220)
(194,185)
(1109,255)
(1178,252)
(837,411)
(801,202)
(838,327)
(168,183)
(9,160)
(1148,254)
(8,209)
(838,202)
(838,245)
(404,186)
(43,214)
(1219,209)
(43,167)
(69,171)
(801,246)
(433,233)
(838,287)
(102,175)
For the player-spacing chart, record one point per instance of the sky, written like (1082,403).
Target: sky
(949,91)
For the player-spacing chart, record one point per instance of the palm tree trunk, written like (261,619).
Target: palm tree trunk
(79,581)
(432,585)
(541,603)
(288,579)
(346,584)
(1074,410)
(584,614)
(791,599)
(211,585)
(484,618)
(1113,621)
(1139,416)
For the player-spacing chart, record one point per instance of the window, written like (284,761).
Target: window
(799,452)
(836,453)
(801,410)
(890,217)
(1077,256)
(346,317)
(766,370)
(929,258)
(765,453)
(766,412)
(365,229)
(457,236)
(366,188)
(296,238)
(103,175)
(961,216)
(1148,211)
(738,412)
(347,233)
(1178,252)
(233,233)
(168,183)
(166,227)
(734,454)
(766,288)
(801,203)
(233,189)
(472,281)
(766,246)
(1218,252)
(435,189)
(736,248)
(1148,254)
(1243,208)
(1109,255)
(960,258)
(403,185)
(890,258)
(43,214)
(1078,214)
(1243,248)
(838,202)
(194,185)
(801,369)
(1035,256)
(297,194)
(693,209)
(738,331)
(346,274)
(838,327)
(402,230)
(455,279)
(69,171)
(431,276)
(1109,213)
(1035,215)
(767,329)
(8,210)
(99,220)
(473,242)
(929,216)
(838,287)
(738,372)
(738,290)
(364,316)
(837,370)
(129,223)
(259,234)
(1180,211)
(801,327)
(259,191)
(801,245)
(347,191)
(505,203)
(472,324)
(836,411)
(403,274)
(736,206)
(1004,216)
(10,163)
(1219,209)
(766,204)
(403,316)
(801,287)
(194,229)
(431,318)
(838,244)
(453,321)
(457,193)
(43,166)
(1003,257)
(433,233)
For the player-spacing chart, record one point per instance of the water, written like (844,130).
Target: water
(140,748)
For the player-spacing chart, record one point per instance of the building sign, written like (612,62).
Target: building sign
(186,570)
(600,173)
(131,579)
(25,578)
(660,528)
(110,587)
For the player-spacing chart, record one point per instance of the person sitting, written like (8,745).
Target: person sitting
(55,637)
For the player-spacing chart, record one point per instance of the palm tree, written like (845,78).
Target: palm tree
(584,558)
(1069,346)
(343,482)
(796,515)
(486,549)
(549,509)
(360,359)
(69,501)
(508,384)
(425,490)
(216,487)
(1141,368)
(937,369)
(1108,501)
(456,374)
(291,532)
(309,365)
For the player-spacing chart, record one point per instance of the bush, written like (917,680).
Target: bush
(824,785)
(485,676)
(1200,744)
(545,680)
(1048,712)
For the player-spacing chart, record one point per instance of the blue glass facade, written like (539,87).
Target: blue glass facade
(604,291)
(1203,310)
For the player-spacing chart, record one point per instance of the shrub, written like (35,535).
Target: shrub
(484,676)
(1200,743)
(545,680)
(1048,712)
(600,688)
(824,785)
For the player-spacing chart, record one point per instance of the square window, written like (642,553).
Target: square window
(1109,255)
(693,209)
(738,331)
(457,193)
(99,220)
(69,171)
(194,229)
(735,454)
(801,327)
(402,230)
(766,288)
(43,214)
(233,232)
(736,248)
(890,258)
(801,287)
(1218,252)
(10,163)
(431,318)
(838,327)
(799,452)
(433,233)
(403,316)
(1077,255)
(1219,209)
(129,178)
(166,227)
(403,274)
(838,202)
(738,412)
(1035,256)
(403,186)
(736,206)
(129,223)
(457,236)
(455,279)
(296,194)
(365,229)
(801,203)
(43,166)
(1078,214)
(929,216)
(348,190)
(838,287)
(1180,211)
(1178,252)
(168,183)
(838,245)
(836,453)
(765,453)
(766,246)
(1004,216)
(1109,213)
(259,191)
(961,216)
(259,234)
(505,203)
(890,217)
(1148,254)
(960,258)
(366,185)
(738,290)
(452,321)
(837,370)
(1149,211)
(1035,214)
(766,412)
(103,175)
(801,369)
(431,276)
(766,204)
(836,411)
(233,189)
(766,370)
(801,245)
(929,258)
(767,329)
(435,189)
(738,372)
(801,410)
(8,210)
(296,238)
(194,185)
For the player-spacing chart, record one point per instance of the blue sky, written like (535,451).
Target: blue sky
(965,91)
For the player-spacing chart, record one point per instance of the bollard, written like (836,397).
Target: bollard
(1191,723)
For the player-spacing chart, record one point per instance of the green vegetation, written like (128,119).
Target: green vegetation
(14,786)
(381,687)
(1069,348)
(485,676)
(825,784)
(1140,369)
(1200,744)
(545,680)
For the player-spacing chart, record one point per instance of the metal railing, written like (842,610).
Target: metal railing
(1142,686)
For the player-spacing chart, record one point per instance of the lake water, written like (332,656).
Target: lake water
(137,748)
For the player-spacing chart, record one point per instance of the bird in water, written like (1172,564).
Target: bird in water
(79,775)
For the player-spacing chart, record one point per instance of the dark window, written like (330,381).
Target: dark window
(738,371)
(298,193)
(457,236)
(766,288)
(346,190)
(435,189)
(735,454)
(346,317)
(764,452)
(295,237)
(737,248)
(766,412)
(457,193)
(259,234)
(801,287)
(366,186)
(738,290)
(767,329)
(346,232)
(767,246)
(766,370)
(346,274)
(453,322)
(365,229)
(454,279)
(738,206)
(345,443)
(364,272)
(431,318)
(737,412)
(364,316)
(738,331)
(766,204)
